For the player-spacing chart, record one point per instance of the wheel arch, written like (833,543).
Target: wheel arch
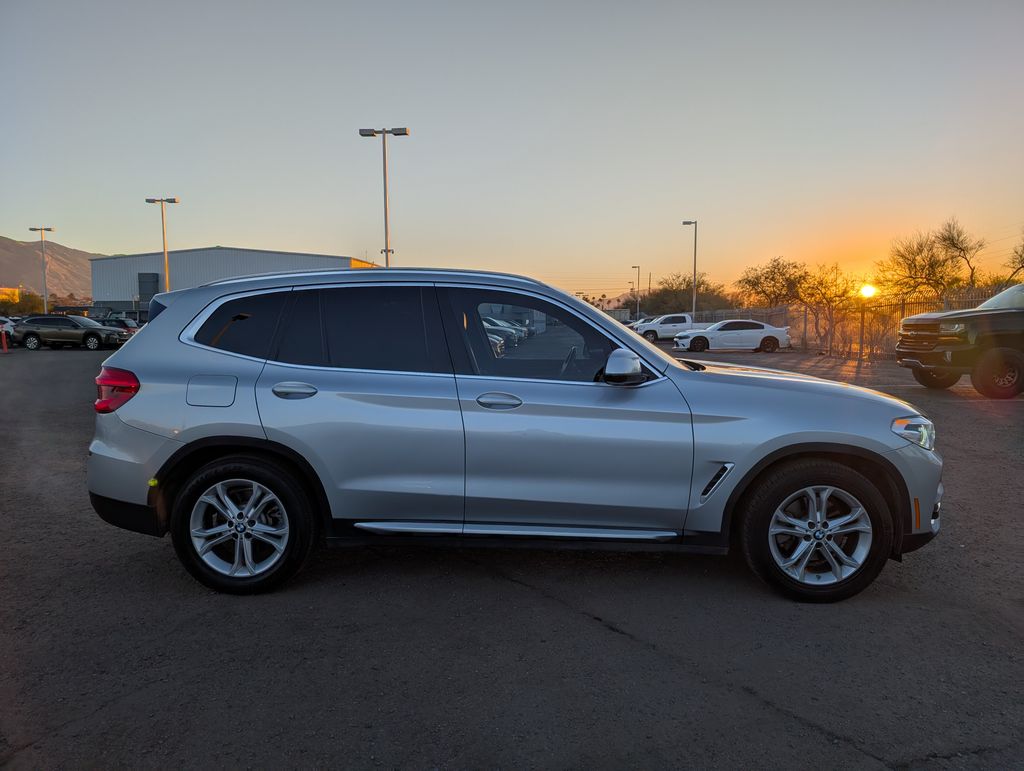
(871,464)
(186,460)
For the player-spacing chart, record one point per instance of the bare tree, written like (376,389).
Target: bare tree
(956,244)
(916,263)
(1016,261)
(775,283)
(826,293)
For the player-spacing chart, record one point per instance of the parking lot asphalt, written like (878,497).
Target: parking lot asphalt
(111,655)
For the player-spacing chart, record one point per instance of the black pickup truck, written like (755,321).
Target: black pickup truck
(986,342)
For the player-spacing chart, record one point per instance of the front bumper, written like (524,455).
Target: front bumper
(922,473)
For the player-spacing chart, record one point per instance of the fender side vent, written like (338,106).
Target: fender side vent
(715,481)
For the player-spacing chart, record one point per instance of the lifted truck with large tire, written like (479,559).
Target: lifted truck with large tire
(986,343)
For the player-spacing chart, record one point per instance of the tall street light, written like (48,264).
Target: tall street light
(42,243)
(163,227)
(383,134)
(694,223)
(637,290)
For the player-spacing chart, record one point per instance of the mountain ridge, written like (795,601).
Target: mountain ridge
(67,270)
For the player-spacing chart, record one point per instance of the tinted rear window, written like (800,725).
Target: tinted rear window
(394,328)
(245,325)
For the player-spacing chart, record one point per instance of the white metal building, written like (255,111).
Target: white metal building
(126,282)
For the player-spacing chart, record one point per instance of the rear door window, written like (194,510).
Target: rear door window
(385,328)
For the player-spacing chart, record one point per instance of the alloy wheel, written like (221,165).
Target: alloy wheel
(239,528)
(820,535)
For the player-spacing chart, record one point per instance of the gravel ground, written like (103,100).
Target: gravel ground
(110,655)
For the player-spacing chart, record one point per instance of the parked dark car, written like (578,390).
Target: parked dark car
(130,326)
(986,342)
(57,331)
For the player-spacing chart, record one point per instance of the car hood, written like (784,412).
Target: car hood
(956,315)
(109,329)
(797,383)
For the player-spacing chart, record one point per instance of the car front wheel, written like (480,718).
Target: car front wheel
(816,530)
(699,344)
(651,336)
(241,525)
(32,342)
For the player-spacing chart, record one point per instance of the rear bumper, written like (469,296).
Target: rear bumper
(130,516)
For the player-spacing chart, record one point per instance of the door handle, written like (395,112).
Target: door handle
(294,390)
(498,401)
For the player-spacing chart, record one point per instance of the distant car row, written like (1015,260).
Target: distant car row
(730,334)
(33,332)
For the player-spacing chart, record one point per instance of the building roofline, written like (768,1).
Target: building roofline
(225,248)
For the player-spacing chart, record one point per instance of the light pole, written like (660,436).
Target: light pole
(694,223)
(42,244)
(163,227)
(637,290)
(383,134)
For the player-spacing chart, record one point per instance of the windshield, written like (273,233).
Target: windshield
(83,321)
(1009,299)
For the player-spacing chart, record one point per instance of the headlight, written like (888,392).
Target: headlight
(916,429)
(951,329)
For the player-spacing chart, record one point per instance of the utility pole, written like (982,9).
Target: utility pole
(42,245)
(383,134)
(694,223)
(637,290)
(163,230)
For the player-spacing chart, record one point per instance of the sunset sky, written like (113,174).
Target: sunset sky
(565,140)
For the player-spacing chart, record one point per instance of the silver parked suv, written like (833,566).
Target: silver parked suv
(254,418)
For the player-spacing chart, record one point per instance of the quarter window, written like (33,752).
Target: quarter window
(557,345)
(244,325)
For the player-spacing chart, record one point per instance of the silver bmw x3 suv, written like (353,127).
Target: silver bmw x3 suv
(256,418)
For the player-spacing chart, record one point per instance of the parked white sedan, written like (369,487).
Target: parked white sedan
(734,334)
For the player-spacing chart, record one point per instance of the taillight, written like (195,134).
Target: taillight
(114,387)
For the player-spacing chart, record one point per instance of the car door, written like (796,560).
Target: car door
(549,445)
(729,336)
(670,326)
(755,332)
(360,383)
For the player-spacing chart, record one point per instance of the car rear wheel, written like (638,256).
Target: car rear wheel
(816,530)
(651,336)
(999,373)
(91,342)
(699,344)
(769,345)
(32,342)
(936,378)
(241,525)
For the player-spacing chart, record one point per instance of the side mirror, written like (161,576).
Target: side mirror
(623,368)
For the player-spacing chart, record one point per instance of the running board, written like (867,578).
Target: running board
(522,531)
(423,528)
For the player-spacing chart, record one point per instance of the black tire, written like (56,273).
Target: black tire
(999,373)
(301,514)
(936,378)
(769,345)
(91,342)
(771,490)
(651,336)
(699,344)
(32,342)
